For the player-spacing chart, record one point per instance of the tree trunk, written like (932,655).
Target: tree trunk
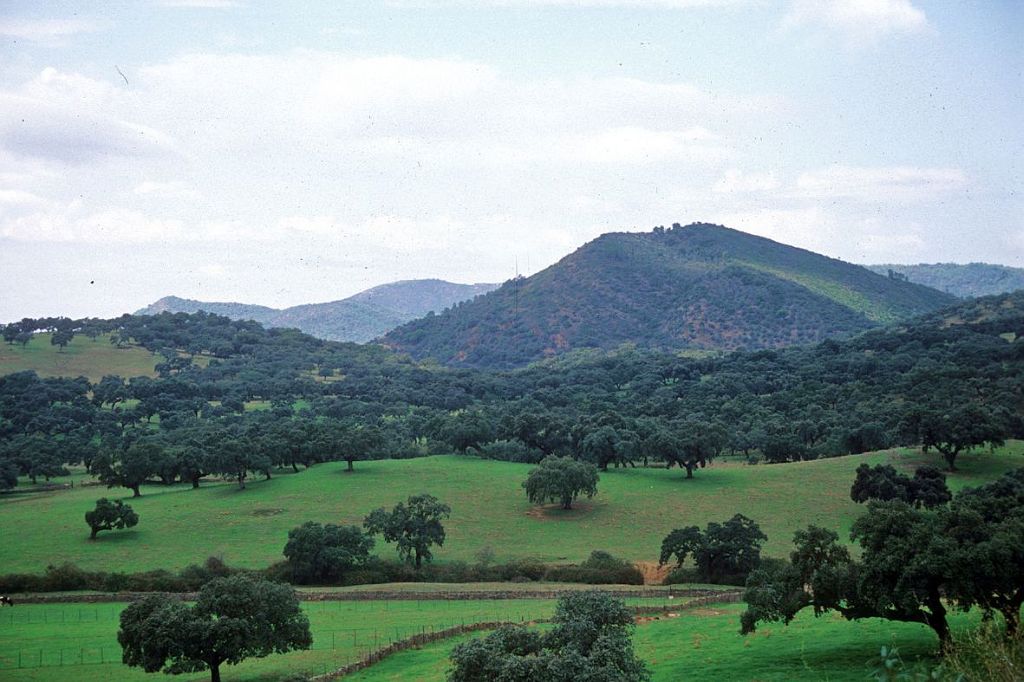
(936,620)
(215,672)
(1011,613)
(419,560)
(241,481)
(135,491)
(295,467)
(689,470)
(93,535)
(950,457)
(566,503)
(350,468)
(195,482)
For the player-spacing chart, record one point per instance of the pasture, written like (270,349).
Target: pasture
(79,641)
(705,645)
(91,358)
(633,511)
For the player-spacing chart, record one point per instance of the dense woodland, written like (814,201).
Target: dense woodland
(951,380)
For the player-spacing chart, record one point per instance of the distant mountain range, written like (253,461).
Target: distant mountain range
(972,279)
(360,318)
(695,287)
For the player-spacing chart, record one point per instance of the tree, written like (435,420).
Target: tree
(914,562)
(562,479)
(601,447)
(722,552)
(688,447)
(110,515)
(234,618)
(957,430)
(414,526)
(318,552)
(882,482)
(61,338)
(8,474)
(236,456)
(591,640)
(128,468)
(987,524)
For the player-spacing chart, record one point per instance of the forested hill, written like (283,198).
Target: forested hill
(964,280)
(358,318)
(699,287)
(286,398)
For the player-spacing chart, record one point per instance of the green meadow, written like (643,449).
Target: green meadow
(704,645)
(633,511)
(91,358)
(43,643)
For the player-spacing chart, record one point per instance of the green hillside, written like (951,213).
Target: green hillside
(960,279)
(695,287)
(91,358)
(633,511)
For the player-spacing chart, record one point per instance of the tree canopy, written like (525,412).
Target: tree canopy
(233,619)
(722,552)
(318,552)
(914,563)
(561,479)
(414,526)
(591,640)
(110,515)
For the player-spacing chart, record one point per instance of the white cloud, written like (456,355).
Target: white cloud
(47,31)
(632,145)
(737,182)
(888,183)
(71,224)
(809,227)
(862,21)
(47,130)
(212,270)
(638,4)
(18,197)
(316,225)
(175,189)
(202,4)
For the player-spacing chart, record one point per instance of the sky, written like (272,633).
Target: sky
(279,153)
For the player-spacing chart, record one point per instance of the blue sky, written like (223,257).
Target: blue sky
(277,154)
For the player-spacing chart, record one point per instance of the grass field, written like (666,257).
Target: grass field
(79,642)
(91,358)
(705,645)
(633,511)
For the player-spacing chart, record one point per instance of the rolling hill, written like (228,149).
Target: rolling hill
(358,318)
(695,287)
(963,280)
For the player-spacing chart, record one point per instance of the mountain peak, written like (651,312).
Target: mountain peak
(699,286)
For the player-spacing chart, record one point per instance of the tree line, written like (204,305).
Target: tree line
(944,385)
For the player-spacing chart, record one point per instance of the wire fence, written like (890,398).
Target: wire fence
(350,647)
(353,643)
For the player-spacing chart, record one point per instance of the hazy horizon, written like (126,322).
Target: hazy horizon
(226,150)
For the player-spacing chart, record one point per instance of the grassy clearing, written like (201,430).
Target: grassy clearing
(40,637)
(91,358)
(705,645)
(633,511)
(78,641)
